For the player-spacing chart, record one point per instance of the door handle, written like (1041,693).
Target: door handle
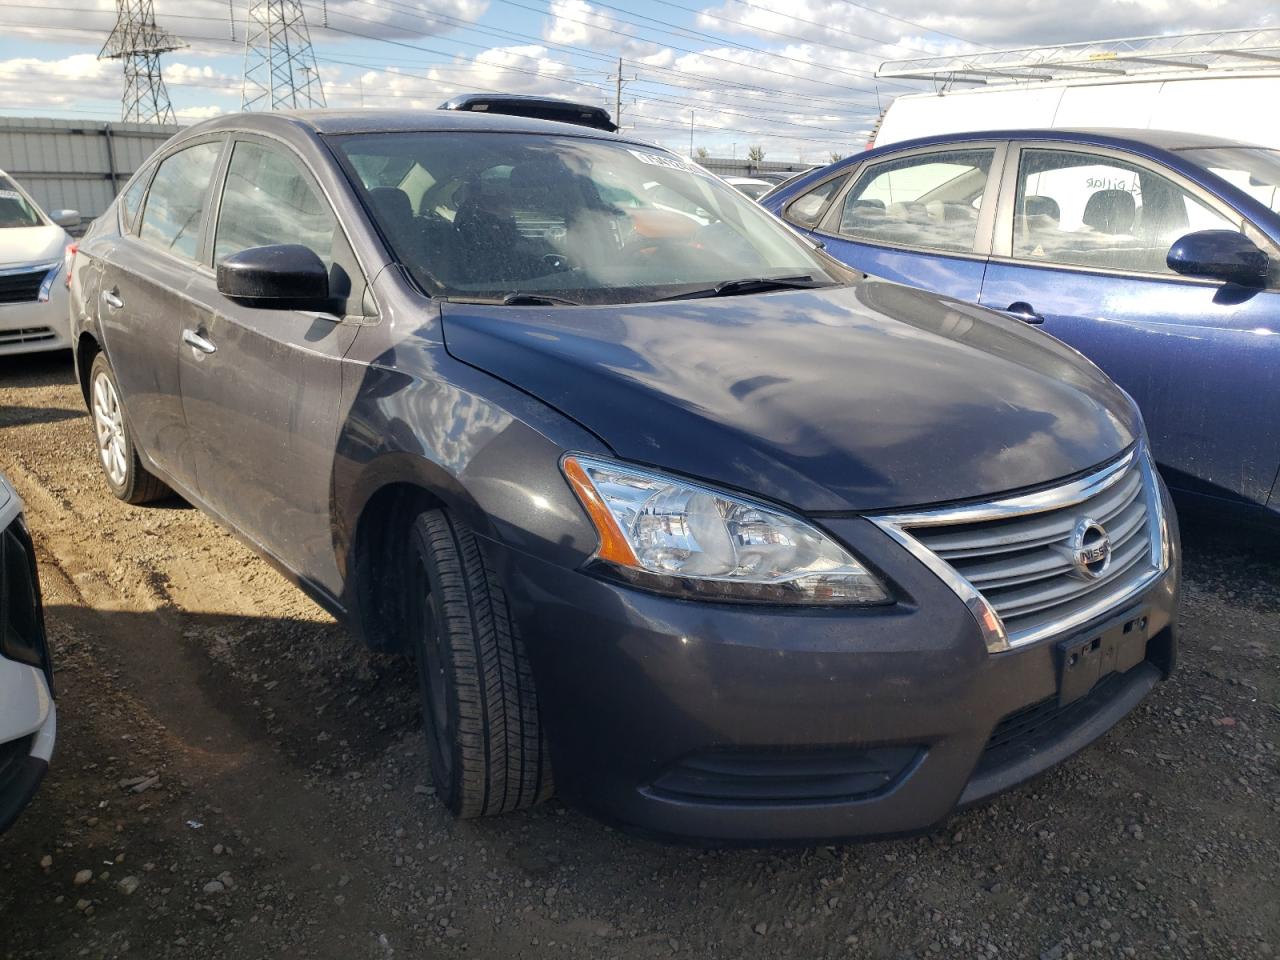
(197,342)
(111,300)
(1021,310)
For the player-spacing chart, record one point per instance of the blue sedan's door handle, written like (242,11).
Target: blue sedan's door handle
(1023,311)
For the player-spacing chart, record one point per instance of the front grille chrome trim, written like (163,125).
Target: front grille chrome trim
(996,636)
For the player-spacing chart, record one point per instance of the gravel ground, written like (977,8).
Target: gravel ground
(235,779)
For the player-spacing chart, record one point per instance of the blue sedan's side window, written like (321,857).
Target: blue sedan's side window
(807,210)
(929,201)
(1089,210)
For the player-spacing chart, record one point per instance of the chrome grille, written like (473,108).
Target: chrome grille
(1014,561)
(22,284)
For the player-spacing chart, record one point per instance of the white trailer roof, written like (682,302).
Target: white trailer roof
(1104,59)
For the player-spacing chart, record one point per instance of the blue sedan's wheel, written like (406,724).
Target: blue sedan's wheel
(479,706)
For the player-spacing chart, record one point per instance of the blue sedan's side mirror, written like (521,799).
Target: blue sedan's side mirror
(1219,255)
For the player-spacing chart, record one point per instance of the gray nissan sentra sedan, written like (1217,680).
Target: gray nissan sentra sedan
(665,503)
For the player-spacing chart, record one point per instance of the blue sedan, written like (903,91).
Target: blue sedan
(1157,255)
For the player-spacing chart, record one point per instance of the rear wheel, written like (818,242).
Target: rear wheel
(479,707)
(126,476)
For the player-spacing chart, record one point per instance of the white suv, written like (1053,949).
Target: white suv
(28,718)
(33,246)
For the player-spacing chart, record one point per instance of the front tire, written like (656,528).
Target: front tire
(479,706)
(127,478)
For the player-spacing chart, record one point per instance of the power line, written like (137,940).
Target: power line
(881,41)
(537,73)
(910,23)
(581,51)
(708,84)
(641,120)
(806,96)
(698,34)
(699,53)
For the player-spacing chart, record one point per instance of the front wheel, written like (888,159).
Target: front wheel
(479,706)
(126,476)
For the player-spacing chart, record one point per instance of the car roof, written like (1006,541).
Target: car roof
(1160,139)
(339,122)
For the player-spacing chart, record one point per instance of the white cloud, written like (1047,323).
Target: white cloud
(34,83)
(527,69)
(578,23)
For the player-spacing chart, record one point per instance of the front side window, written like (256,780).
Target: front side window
(15,209)
(1255,170)
(176,201)
(807,210)
(928,201)
(486,215)
(1087,210)
(268,199)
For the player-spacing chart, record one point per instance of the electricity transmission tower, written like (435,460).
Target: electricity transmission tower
(138,42)
(279,64)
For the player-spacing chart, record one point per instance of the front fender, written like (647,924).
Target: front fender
(484,450)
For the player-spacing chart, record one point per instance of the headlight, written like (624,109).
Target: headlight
(46,285)
(682,538)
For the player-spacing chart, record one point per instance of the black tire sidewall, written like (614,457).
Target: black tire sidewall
(447,777)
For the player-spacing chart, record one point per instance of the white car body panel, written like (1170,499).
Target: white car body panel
(34,325)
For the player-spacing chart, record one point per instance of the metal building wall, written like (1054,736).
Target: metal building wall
(76,164)
(725,167)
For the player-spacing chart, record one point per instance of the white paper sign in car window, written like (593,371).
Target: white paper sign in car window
(10,195)
(670,162)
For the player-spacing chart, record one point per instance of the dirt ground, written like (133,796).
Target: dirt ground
(239,780)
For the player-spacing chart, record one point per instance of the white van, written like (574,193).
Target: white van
(1223,84)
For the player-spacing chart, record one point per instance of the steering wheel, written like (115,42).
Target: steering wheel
(557,262)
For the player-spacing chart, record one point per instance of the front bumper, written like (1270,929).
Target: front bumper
(32,326)
(28,731)
(742,724)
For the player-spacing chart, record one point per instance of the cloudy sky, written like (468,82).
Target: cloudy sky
(800,83)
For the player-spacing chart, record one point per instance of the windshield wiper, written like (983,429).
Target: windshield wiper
(733,288)
(536,300)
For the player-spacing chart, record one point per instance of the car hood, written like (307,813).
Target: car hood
(867,397)
(23,245)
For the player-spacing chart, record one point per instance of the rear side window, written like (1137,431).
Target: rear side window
(131,202)
(171,219)
(928,200)
(269,199)
(807,211)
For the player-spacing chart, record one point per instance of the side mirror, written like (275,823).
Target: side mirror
(66,218)
(1219,255)
(283,276)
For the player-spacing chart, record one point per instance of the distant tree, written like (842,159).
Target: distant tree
(836,156)
(755,154)
(701,153)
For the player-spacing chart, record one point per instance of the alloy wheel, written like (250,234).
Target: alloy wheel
(108,424)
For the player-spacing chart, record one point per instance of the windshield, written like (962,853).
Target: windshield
(1255,170)
(15,209)
(483,216)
